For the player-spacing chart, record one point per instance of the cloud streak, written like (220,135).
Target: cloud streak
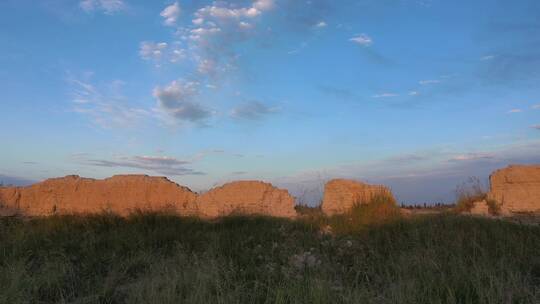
(362,39)
(515,111)
(471,157)
(169,166)
(429,81)
(385,95)
(253,110)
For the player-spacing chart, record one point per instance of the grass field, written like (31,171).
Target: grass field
(151,258)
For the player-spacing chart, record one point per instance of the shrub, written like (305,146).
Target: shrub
(493,207)
(304,210)
(468,193)
(381,209)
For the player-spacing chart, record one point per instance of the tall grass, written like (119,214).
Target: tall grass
(153,258)
(380,210)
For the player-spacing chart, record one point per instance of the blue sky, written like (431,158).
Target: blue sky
(416,94)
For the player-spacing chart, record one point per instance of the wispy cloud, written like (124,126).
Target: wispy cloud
(519,65)
(537,127)
(536,107)
(239,173)
(488,57)
(362,39)
(253,110)
(106,107)
(385,95)
(515,111)
(303,16)
(429,81)
(337,92)
(471,157)
(302,46)
(107,6)
(409,158)
(160,164)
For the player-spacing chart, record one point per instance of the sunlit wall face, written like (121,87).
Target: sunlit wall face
(415,94)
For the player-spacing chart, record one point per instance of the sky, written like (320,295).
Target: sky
(419,95)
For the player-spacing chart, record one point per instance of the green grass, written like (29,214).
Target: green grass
(151,258)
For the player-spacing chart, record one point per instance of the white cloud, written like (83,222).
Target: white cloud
(385,95)
(321,24)
(161,51)
(536,107)
(202,32)
(171,14)
(216,28)
(108,6)
(209,43)
(198,21)
(177,100)
(413,93)
(245,25)
(515,111)
(151,50)
(430,81)
(222,13)
(488,57)
(177,55)
(362,39)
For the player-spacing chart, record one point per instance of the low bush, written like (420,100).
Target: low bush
(468,193)
(494,207)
